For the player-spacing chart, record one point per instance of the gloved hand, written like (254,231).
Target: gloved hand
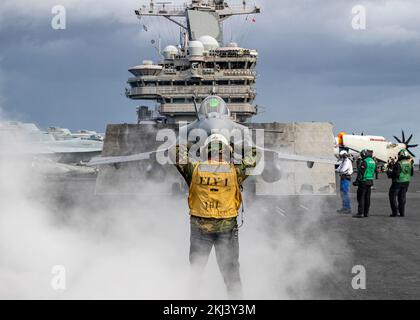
(179,154)
(173,154)
(356,183)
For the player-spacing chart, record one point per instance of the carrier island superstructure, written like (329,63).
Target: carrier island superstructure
(201,64)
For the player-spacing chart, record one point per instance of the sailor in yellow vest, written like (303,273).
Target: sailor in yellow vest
(214,200)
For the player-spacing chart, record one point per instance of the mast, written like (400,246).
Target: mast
(199,17)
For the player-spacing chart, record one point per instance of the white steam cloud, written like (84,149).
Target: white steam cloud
(137,248)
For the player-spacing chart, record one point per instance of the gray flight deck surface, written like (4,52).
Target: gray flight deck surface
(389,248)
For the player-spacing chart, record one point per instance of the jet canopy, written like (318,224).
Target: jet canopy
(213,107)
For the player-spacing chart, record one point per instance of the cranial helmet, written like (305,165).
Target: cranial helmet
(218,143)
(403,154)
(344,154)
(366,153)
(216,137)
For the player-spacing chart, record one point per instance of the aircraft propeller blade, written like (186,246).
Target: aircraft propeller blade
(409,139)
(412,154)
(398,140)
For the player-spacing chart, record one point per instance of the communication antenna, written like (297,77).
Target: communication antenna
(163,3)
(190,19)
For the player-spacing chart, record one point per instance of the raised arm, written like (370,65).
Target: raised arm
(179,157)
(249,161)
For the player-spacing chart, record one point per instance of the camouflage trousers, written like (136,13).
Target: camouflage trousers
(226,244)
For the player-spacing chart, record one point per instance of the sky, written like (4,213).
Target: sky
(313,65)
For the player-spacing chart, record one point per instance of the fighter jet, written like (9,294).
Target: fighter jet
(213,117)
(26,139)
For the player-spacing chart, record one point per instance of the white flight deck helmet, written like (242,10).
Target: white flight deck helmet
(213,141)
(216,137)
(344,154)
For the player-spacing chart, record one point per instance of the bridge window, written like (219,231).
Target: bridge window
(237,82)
(193,82)
(237,65)
(224,65)
(223,82)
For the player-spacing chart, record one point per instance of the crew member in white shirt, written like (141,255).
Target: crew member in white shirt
(345,170)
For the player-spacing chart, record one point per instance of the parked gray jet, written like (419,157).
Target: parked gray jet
(26,139)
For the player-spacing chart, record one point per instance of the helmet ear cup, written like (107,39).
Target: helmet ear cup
(366,153)
(404,154)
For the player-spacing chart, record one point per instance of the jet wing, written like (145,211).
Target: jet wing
(97,161)
(147,156)
(302,158)
(47,150)
(76,145)
(62,150)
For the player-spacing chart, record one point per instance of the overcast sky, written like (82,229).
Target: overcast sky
(313,65)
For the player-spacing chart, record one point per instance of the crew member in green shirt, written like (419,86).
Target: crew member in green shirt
(365,176)
(401,174)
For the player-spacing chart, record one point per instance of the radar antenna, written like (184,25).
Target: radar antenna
(200,18)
